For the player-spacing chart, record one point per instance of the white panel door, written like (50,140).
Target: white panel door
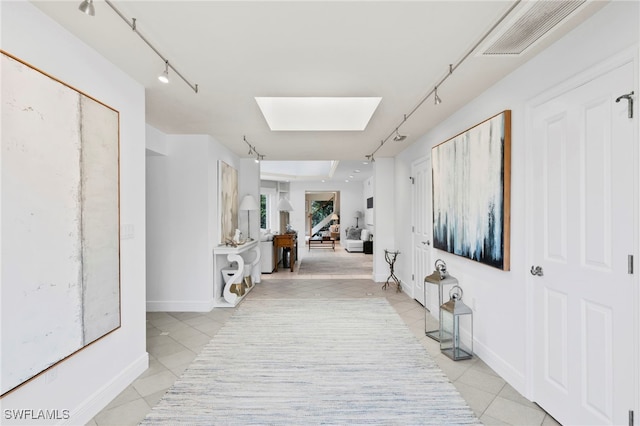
(583,233)
(422,220)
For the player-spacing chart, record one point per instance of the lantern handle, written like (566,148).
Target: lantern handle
(457,295)
(441,267)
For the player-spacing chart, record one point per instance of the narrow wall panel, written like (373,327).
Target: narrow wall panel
(100,219)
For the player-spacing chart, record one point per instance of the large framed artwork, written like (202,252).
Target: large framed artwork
(228,201)
(472,192)
(60,288)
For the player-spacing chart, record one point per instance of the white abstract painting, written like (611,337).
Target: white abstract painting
(471,192)
(60,287)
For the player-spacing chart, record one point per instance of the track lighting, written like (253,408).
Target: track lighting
(398,137)
(164,77)
(436,98)
(252,150)
(87,7)
(452,67)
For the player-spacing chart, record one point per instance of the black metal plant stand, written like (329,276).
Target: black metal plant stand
(390,257)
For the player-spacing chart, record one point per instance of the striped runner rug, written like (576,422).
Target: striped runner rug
(311,361)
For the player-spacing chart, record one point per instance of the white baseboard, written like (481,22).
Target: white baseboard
(180,306)
(100,399)
(512,376)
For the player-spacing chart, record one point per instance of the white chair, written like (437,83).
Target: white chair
(354,241)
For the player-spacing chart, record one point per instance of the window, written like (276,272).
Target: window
(264,211)
(320,210)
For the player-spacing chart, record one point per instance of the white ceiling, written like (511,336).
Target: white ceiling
(238,50)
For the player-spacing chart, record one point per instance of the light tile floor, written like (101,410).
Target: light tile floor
(175,338)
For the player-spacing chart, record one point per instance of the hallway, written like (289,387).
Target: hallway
(174,339)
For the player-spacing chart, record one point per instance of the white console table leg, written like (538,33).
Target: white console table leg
(256,273)
(226,293)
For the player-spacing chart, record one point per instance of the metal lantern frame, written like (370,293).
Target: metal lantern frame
(452,314)
(440,276)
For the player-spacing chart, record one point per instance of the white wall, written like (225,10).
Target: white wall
(177,224)
(500,297)
(183,219)
(384,217)
(156,142)
(368,186)
(90,379)
(249,184)
(402,223)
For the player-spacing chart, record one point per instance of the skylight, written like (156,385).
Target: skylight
(317,114)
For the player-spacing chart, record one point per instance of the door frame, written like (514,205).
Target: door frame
(629,55)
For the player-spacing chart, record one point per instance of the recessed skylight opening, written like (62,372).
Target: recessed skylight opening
(317,114)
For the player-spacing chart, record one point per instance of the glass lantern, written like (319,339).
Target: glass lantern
(440,277)
(456,327)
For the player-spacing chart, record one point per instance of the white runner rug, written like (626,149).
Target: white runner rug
(345,361)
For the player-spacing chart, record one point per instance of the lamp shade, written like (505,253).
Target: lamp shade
(248,203)
(284,205)
(87,7)
(334,217)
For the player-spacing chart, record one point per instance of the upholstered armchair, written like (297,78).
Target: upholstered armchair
(354,239)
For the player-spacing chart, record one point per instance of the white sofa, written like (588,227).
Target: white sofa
(266,251)
(354,239)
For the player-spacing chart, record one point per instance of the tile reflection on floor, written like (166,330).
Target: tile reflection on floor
(175,338)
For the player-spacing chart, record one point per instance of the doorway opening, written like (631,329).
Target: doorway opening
(320,208)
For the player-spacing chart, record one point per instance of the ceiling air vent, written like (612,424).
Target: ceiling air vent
(530,25)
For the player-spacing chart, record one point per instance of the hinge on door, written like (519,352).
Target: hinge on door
(412,277)
(413,229)
(412,179)
(630,417)
(630,264)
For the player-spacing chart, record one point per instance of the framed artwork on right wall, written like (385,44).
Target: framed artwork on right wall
(472,192)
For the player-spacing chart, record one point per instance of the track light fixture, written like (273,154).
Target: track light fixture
(87,7)
(164,77)
(394,134)
(398,137)
(252,150)
(436,98)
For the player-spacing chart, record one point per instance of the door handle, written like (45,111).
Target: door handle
(427,242)
(537,270)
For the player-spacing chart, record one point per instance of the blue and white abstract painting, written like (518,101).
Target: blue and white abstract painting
(471,192)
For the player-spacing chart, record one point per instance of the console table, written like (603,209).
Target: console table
(285,241)
(222,294)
